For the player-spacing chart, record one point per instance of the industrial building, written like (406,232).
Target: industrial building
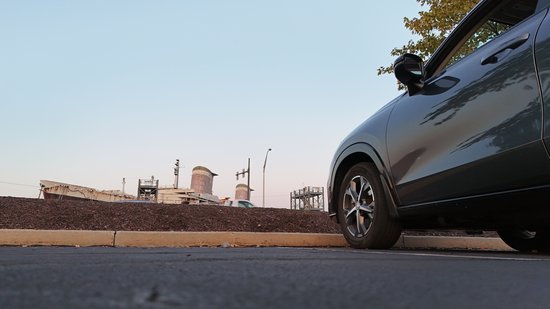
(308,198)
(202,180)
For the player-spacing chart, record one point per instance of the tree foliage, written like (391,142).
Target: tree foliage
(432,27)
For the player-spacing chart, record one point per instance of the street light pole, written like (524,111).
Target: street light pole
(263,183)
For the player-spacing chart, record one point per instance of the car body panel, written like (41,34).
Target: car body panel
(361,142)
(441,141)
(542,55)
(470,147)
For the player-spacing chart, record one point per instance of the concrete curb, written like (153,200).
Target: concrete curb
(215,239)
(227,239)
(56,238)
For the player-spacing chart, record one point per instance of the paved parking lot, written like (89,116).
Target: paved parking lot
(99,277)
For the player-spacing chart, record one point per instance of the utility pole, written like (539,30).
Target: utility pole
(247,172)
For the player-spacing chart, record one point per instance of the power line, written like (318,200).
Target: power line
(18,184)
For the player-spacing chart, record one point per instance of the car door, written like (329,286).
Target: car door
(542,55)
(475,128)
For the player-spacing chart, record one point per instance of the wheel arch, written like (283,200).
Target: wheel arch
(352,155)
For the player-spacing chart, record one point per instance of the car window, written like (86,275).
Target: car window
(504,17)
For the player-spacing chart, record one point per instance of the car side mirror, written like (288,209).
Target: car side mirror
(409,70)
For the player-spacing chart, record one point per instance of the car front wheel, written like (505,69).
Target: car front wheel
(363,212)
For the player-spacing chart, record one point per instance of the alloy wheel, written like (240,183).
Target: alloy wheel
(358,206)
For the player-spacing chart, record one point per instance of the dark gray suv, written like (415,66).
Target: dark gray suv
(467,146)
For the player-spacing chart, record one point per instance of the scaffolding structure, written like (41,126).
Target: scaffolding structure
(148,189)
(308,198)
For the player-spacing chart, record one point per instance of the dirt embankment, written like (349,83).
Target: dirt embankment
(24,213)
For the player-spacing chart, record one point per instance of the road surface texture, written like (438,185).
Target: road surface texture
(56,277)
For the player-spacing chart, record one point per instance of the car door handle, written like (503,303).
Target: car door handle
(508,46)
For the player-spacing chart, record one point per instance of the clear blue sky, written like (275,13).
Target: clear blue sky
(94,91)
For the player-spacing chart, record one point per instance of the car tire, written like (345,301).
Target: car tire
(520,240)
(363,212)
(543,241)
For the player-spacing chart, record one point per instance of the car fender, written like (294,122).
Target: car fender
(353,154)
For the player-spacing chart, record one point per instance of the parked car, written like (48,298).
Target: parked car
(467,146)
(239,203)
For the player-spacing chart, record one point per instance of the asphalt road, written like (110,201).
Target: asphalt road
(53,277)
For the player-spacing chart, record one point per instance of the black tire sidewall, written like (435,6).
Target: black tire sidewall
(516,239)
(382,230)
(543,241)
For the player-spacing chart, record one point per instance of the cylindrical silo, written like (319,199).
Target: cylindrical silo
(202,180)
(241,192)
